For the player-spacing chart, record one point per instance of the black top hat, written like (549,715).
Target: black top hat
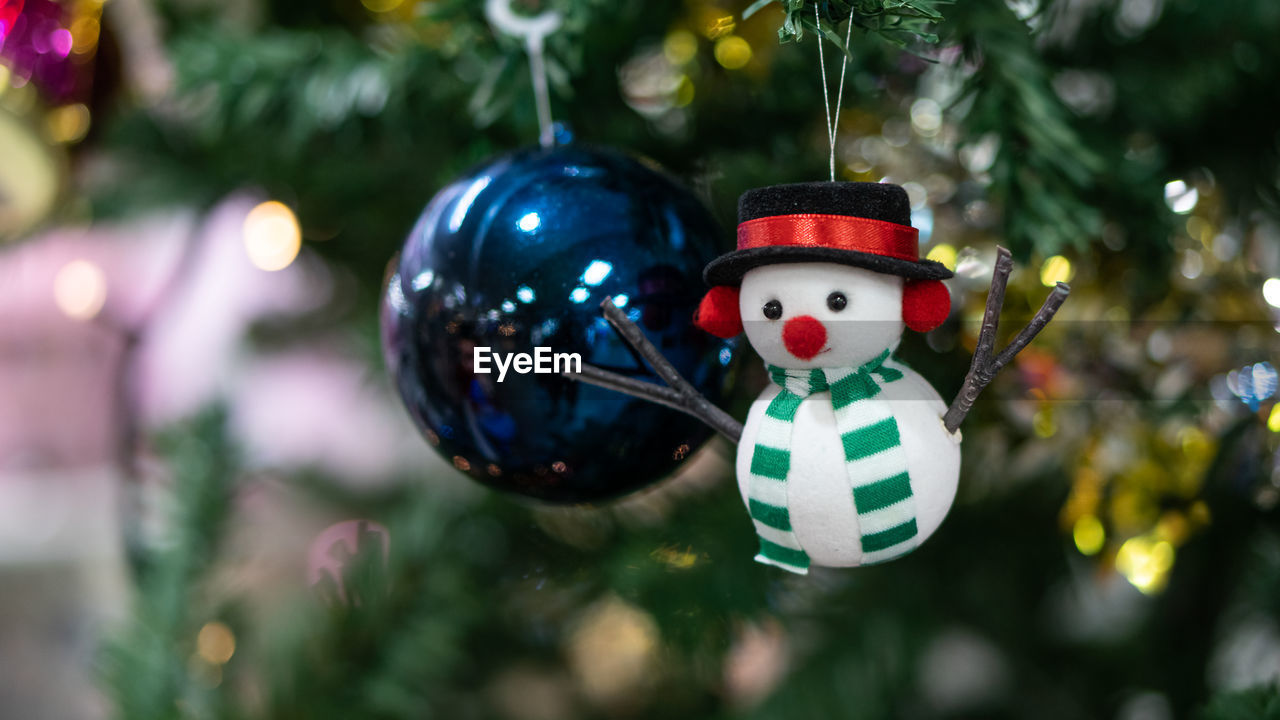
(864,224)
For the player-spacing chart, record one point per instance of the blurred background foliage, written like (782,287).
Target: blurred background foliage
(1114,549)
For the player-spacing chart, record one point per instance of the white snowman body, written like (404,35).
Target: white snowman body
(819,495)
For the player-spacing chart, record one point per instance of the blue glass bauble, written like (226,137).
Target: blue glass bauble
(519,254)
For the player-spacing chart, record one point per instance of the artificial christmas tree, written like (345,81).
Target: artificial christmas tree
(1111,547)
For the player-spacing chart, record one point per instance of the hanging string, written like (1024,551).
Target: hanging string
(534,31)
(833,122)
(541,91)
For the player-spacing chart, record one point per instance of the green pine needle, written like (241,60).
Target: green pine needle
(1260,703)
(898,21)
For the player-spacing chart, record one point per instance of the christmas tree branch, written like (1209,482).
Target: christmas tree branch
(679,393)
(145,666)
(984,367)
(898,21)
(1043,172)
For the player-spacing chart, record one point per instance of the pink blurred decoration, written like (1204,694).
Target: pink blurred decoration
(58,375)
(338,544)
(35,43)
(758,659)
(317,406)
(312,405)
(193,351)
(60,42)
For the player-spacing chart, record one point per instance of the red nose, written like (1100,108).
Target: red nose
(804,336)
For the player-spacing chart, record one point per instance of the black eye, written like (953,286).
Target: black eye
(837,301)
(772,310)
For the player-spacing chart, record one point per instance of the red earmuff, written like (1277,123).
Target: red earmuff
(718,312)
(925,304)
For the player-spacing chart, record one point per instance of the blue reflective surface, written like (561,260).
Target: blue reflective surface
(519,253)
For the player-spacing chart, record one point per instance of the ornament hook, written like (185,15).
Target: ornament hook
(534,31)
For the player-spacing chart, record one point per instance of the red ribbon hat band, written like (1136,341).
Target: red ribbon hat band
(860,224)
(838,232)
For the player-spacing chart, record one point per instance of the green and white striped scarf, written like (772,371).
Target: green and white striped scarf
(874,461)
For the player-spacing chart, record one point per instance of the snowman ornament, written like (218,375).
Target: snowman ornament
(848,457)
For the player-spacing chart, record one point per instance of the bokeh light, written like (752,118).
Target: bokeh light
(69,123)
(272,236)
(1043,423)
(1055,270)
(80,289)
(613,651)
(1089,534)
(530,222)
(945,254)
(596,272)
(84,32)
(1145,563)
(926,117)
(732,52)
(1180,197)
(215,644)
(680,46)
(684,92)
(1271,291)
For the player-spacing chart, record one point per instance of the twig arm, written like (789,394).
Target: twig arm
(995,303)
(600,377)
(711,415)
(978,376)
(634,336)
(679,394)
(984,367)
(1033,328)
